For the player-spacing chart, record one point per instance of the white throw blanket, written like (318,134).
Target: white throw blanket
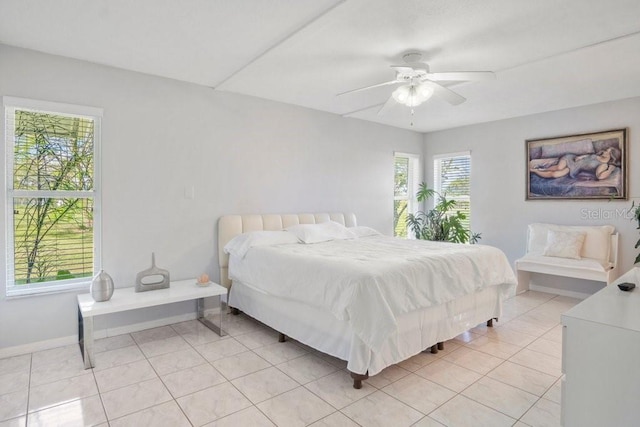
(369,281)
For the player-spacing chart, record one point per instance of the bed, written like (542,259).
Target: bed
(356,298)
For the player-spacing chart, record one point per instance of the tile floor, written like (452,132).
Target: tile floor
(185,375)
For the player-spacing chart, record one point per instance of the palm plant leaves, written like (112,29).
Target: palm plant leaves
(442,223)
(636,216)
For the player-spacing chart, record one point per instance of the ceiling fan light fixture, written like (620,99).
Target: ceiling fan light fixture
(401,94)
(425,91)
(412,95)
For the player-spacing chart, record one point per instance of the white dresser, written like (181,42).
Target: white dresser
(601,358)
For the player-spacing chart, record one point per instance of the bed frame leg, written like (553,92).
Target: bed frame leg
(490,322)
(358,378)
(234,311)
(434,349)
(282,337)
(440,346)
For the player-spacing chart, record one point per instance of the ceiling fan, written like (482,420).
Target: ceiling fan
(418,84)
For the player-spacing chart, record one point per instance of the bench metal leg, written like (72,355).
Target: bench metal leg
(206,322)
(85,339)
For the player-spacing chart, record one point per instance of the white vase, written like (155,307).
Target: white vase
(102,287)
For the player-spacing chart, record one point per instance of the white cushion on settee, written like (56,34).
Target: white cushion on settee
(584,263)
(598,261)
(597,242)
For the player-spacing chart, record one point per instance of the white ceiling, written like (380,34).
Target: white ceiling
(547,54)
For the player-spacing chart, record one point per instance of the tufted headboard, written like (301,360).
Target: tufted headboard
(230,226)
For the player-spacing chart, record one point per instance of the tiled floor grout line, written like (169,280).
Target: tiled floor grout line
(462,391)
(505,360)
(311,391)
(175,400)
(299,384)
(26,416)
(260,370)
(211,364)
(414,373)
(159,377)
(192,346)
(501,363)
(486,406)
(104,409)
(537,338)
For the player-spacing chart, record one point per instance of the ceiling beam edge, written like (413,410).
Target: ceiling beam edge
(280,42)
(566,52)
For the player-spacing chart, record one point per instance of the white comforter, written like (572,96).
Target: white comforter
(369,281)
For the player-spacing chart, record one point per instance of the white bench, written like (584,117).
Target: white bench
(125,299)
(599,255)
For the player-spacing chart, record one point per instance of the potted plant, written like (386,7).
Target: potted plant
(442,223)
(636,217)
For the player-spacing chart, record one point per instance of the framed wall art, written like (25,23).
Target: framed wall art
(588,166)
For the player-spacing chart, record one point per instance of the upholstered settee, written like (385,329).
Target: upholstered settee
(582,252)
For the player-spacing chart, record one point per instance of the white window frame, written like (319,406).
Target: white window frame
(414,178)
(437,184)
(10,104)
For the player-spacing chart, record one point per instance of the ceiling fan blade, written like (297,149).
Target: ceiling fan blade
(469,76)
(369,87)
(447,94)
(390,102)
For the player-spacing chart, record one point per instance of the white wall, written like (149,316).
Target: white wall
(241,154)
(499,209)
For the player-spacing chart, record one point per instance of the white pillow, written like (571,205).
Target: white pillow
(240,244)
(362,231)
(323,232)
(564,244)
(597,242)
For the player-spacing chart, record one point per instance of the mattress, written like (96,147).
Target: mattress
(370,282)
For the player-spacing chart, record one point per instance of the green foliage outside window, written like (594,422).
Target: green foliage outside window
(400,204)
(52,229)
(442,223)
(400,218)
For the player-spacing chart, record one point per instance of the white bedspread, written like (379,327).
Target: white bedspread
(369,281)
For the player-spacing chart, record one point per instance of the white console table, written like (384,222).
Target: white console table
(600,357)
(125,299)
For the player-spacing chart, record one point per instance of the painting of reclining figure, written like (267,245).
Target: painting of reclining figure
(589,166)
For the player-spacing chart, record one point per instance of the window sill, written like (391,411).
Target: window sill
(14,292)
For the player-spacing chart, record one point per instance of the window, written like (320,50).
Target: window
(406,181)
(52,189)
(452,177)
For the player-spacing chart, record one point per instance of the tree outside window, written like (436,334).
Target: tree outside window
(406,179)
(53,194)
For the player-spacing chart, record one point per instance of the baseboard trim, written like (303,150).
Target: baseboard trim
(556,291)
(135,327)
(37,346)
(102,333)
